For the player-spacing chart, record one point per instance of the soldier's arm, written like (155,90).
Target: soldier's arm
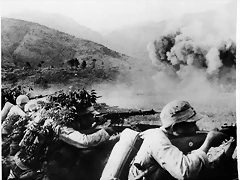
(5,111)
(81,140)
(173,160)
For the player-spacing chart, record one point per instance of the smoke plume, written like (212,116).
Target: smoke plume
(194,59)
(213,61)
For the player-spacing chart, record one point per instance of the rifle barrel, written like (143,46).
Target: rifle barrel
(112,115)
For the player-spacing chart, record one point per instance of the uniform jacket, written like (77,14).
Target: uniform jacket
(157,149)
(10,110)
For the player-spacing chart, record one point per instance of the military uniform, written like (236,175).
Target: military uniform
(29,162)
(157,149)
(178,118)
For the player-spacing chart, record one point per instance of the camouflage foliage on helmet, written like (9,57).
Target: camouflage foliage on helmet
(10,94)
(63,107)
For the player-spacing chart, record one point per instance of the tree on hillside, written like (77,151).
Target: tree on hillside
(93,63)
(73,62)
(102,64)
(27,65)
(84,64)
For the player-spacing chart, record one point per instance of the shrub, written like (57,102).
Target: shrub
(41,82)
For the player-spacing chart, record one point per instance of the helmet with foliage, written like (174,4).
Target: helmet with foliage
(65,107)
(32,106)
(178,111)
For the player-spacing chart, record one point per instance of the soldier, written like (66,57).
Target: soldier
(10,114)
(28,161)
(10,110)
(178,118)
(81,140)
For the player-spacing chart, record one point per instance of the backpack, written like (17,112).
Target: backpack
(122,155)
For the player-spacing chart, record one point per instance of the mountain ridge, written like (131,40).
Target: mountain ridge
(66,24)
(25,41)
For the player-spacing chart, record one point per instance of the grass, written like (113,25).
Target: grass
(216,111)
(49,77)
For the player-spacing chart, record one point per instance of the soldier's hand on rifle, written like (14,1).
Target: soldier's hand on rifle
(114,130)
(110,130)
(99,119)
(215,138)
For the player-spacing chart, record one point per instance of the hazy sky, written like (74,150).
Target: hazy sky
(107,15)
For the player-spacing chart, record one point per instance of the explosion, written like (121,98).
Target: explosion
(202,44)
(182,52)
(196,60)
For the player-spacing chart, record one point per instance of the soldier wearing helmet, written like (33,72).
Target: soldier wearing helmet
(178,119)
(11,114)
(70,135)
(21,101)
(10,110)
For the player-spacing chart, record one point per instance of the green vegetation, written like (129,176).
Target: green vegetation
(45,77)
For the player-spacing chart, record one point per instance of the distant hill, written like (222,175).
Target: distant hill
(24,41)
(61,23)
(133,40)
(36,47)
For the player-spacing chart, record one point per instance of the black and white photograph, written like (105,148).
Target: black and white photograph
(119,89)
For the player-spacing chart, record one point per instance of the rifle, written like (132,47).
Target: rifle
(190,143)
(46,95)
(118,117)
(39,96)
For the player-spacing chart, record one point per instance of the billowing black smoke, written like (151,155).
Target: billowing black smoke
(195,57)
(182,53)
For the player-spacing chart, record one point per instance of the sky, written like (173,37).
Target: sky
(108,15)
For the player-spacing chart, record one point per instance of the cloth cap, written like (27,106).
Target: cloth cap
(89,110)
(22,99)
(178,111)
(31,106)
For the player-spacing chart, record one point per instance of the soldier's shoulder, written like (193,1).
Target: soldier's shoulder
(152,133)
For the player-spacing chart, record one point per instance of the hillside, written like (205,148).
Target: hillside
(24,41)
(33,52)
(61,23)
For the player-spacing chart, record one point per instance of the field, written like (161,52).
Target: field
(217,106)
(216,110)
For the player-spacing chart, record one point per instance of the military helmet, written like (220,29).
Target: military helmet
(22,99)
(178,111)
(31,106)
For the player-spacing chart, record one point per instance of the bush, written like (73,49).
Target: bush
(41,82)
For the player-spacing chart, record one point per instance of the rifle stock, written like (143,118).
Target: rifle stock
(189,143)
